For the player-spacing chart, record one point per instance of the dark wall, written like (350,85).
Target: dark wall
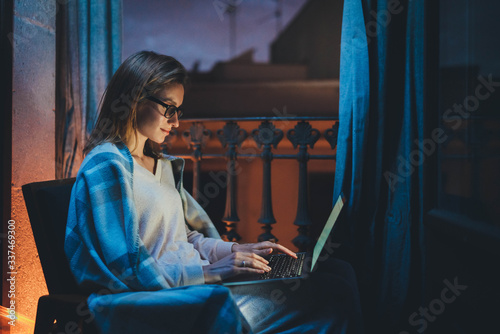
(462,247)
(313,39)
(474,271)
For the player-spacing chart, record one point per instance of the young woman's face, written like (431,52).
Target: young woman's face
(150,120)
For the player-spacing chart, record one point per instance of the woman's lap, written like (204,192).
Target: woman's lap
(325,302)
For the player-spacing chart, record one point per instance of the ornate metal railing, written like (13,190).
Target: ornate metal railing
(267,137)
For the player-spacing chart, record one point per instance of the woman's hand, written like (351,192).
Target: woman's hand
(235,264)
(262,248)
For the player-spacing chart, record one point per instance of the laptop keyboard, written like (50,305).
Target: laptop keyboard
(284,266)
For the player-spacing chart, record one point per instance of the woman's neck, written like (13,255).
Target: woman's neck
(135,144)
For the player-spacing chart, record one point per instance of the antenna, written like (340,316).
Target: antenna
(278,15)
(231,8)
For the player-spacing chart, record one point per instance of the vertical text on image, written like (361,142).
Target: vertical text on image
(11,265)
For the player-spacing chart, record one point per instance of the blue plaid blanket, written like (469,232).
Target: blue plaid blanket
(189,309)
(109,260)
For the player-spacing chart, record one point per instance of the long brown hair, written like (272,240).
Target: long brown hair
(142,74)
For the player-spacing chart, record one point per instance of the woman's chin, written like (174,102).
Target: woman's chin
(159,140)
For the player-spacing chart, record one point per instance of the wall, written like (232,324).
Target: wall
(270,99)
(33,133)
(313,39)
(459,255)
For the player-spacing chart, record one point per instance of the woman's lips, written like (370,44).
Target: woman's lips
(166,131)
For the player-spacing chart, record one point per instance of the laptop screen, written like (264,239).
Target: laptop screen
(327,229)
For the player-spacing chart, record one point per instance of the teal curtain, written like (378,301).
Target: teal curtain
(89,42)
(379,160)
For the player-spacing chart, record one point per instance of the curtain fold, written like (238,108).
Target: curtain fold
(379,160)
(88,53)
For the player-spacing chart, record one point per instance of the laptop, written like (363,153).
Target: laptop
(286,267)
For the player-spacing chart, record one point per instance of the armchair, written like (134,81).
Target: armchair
(65,307)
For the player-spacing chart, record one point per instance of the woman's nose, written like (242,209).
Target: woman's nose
(174,121)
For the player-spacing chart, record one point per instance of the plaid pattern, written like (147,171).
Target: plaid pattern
(108,258)
(188,309)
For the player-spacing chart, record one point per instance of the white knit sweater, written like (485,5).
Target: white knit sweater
(181,253)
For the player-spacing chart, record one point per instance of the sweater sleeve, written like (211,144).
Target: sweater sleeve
(210,249)
(208,244)
(196,217)
(177,274)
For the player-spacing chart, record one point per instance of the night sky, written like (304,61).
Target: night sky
(192,30)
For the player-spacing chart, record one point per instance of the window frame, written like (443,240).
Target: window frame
(480,234)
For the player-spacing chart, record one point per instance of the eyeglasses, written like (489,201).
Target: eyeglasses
(170,110)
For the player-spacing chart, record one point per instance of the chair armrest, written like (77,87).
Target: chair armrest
(64,313)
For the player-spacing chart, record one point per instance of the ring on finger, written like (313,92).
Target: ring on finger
(243,263)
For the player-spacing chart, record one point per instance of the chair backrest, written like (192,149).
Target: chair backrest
(47,203)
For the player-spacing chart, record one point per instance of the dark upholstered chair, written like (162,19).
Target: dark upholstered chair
(64,309)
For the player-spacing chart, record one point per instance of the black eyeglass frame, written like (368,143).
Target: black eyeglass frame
(167,107)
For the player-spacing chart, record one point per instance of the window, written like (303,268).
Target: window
(468,160)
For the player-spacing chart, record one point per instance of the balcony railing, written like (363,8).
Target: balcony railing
(267,136)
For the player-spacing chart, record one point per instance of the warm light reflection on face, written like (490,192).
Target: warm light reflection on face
(150,120)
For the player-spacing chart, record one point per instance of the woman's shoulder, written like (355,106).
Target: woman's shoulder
(108,154)
(106,166)
(177,163)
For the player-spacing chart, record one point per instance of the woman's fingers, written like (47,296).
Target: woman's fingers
(263,248)
(251,260)
(256,262)
(285,250)
(253,256)
(278,248)
(251,271)
(264,252)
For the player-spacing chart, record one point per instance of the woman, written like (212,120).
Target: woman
(131,224)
